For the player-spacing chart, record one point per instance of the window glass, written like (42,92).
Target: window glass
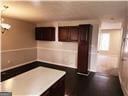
(104,41)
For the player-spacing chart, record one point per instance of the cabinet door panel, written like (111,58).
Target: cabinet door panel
(83,33)
(52,34)
(38,34)
(63,34)
(83,57)
(68,33)
(73,33)
(84,47)
(45,33)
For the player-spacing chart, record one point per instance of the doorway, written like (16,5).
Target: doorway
(108,51)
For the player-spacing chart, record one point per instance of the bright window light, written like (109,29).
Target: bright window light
(104,41)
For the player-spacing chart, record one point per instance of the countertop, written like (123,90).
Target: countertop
(33,82)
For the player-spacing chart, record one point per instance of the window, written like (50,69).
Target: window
(104,41)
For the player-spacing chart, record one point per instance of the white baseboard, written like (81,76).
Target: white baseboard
(56,63)
(18,65)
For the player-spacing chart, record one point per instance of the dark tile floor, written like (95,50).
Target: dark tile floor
(92,85)
(95,84)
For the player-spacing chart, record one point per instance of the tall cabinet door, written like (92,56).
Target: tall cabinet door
(84,48)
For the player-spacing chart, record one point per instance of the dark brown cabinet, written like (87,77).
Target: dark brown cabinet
(63,34)
(45,33)
(84,48)
(68,33)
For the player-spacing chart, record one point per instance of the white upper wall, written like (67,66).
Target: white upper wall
(111,24)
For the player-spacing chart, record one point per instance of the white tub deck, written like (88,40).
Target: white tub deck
(32,83)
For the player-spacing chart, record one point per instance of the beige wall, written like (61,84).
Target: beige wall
(18,43)
(65,53)
(115,42)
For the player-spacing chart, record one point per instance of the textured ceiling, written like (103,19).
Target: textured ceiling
(38,11)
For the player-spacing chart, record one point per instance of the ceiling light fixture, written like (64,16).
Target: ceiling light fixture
(4,26)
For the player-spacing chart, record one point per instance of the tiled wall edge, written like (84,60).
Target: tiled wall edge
(43,48)
(20,49)
(18,65)
(61,50)
(56,49)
